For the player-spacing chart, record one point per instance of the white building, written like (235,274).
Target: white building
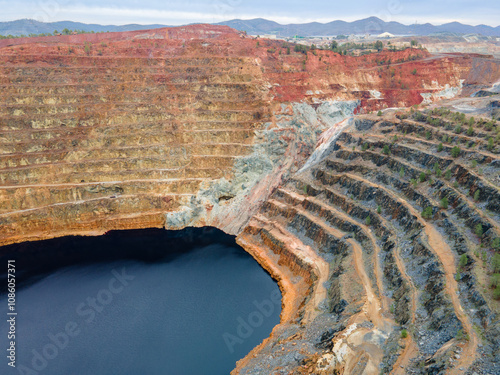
(386,35)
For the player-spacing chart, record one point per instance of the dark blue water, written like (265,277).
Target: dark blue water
(195,311)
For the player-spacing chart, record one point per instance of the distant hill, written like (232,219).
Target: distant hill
(371,25)
(27,26)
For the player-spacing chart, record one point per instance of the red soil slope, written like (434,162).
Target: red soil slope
(399,76)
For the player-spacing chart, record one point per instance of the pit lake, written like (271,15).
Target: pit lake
(138,302)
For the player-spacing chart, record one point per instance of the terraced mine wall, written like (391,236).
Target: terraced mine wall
(203,125)
(109,131)
(405,289)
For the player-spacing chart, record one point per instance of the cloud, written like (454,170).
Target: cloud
(119,15)
(144,15)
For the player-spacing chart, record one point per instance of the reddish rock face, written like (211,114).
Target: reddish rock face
(400,77)
(111,130)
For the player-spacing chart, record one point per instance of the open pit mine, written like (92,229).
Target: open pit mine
(374,207)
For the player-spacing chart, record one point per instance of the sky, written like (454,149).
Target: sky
(177,12)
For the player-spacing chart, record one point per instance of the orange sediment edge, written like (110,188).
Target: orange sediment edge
(288,289)
(292,295)
(96,227)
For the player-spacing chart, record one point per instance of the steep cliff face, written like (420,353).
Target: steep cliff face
(202,125)
(106,131)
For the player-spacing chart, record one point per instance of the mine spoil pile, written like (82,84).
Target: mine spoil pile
(203,125)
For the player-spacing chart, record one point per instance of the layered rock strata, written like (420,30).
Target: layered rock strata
(108,131)
(405,291)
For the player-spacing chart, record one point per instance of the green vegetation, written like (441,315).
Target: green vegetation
(422,177)
(447,174)
(474,163)
(455,151)
(440,147)
(427,213)
(490,144)
(464,260)
(404,333)
(379,210)
(478,230)
(379,113)
(496,294)
(436,167)
(386,150)
(495,244)
(368,220)
(32,35)
(301,48)
(477,195)
(402,172)
(414,71)
(495,280)
(489,125)
(444,203)
(364,147)
(87,48)
(495,263)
